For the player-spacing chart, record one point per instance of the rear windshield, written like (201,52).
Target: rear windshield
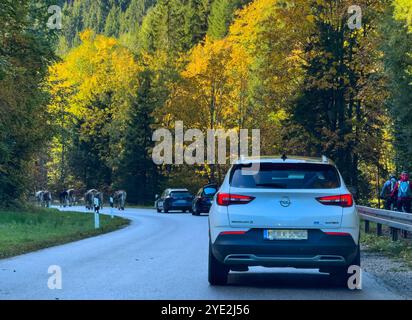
(180,194)
(286,176)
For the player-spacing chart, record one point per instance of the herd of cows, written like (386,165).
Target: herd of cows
(71,197)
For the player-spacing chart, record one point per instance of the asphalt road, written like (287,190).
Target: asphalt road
(160,256)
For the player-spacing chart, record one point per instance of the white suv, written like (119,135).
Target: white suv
(291,212)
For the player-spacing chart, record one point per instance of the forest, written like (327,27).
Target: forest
(79,105)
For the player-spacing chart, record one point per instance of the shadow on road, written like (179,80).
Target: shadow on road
(281,280)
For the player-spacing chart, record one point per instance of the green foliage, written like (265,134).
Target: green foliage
(174,26)
(111,17)
(137,173)
(397,46)
(96,85)
(221,16)
(112,25)
(26,50)
(291,68)
(342,105)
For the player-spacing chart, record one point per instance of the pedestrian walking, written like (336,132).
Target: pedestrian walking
(387,193)
(403,193)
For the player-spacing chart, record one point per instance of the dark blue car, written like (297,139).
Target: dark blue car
(203,199)
(174,199)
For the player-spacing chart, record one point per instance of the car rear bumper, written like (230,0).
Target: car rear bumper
(251,249)
(179,207)
(204,207)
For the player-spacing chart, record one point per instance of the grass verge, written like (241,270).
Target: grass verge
(35,228)
(400,250)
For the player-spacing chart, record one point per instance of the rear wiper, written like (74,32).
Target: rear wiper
(273,185)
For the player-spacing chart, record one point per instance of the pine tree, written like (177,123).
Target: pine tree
(164,28)
(221,16)
(112,25)
(133,15)
(138,174)
(196,21)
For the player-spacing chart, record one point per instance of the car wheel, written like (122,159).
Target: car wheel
(195,211)
(158,210)
(218,272)
(165,210)
(340,276)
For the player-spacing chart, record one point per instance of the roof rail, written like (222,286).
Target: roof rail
(325,159)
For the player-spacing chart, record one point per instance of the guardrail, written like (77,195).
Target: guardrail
(397,221)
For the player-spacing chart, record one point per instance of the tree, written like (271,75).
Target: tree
(137,172)
(26,50)
(100,77)
(134,14)
(221,16)
(397,48)
(196,20)
(342,105)
(112,24)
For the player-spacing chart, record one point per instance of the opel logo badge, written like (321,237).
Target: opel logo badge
(285,202)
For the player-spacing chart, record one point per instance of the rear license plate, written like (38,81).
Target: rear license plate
(285,234)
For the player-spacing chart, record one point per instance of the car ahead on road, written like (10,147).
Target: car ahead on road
(203,199)
(174,199)
(286,213)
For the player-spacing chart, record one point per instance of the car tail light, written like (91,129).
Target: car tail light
(343,200)
(227,199)
(343,234)
(232,232)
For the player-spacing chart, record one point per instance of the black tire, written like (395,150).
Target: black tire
(195,212)
(165,210)
(340,276)
(218,272)
(158,210)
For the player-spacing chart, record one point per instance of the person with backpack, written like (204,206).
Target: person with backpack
(403,192)
(386,193)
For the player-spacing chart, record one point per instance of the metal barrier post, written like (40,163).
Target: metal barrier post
(366,226)
(394,232)
(379,229)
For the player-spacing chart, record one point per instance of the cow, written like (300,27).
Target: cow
(44,198)
(64,198)
(67,198)
(119,199)
(71,197)
(39,197)
(89,196)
